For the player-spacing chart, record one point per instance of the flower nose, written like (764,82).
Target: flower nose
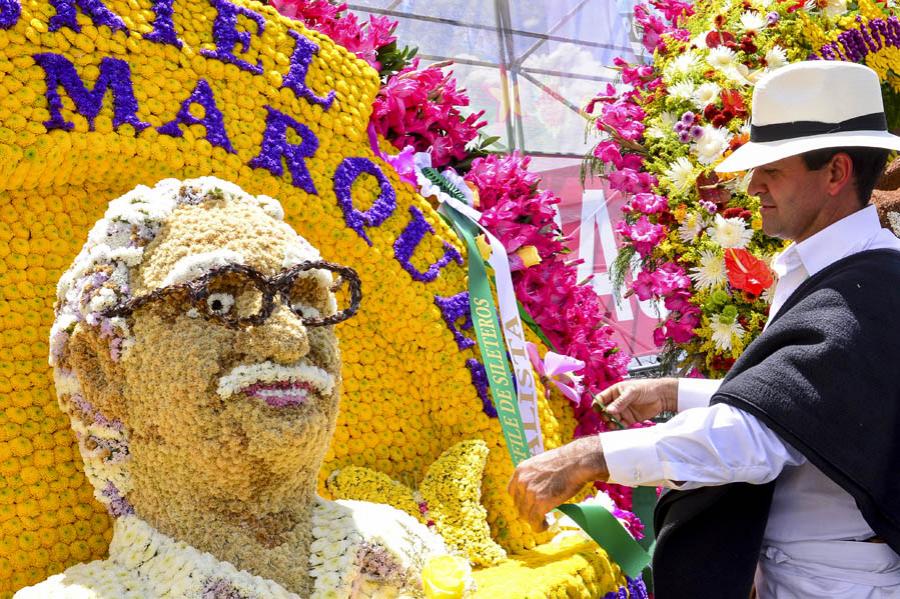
(281,338)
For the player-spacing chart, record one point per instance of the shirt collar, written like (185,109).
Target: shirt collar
(836,241)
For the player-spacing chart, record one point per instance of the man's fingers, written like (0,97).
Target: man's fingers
(621,402)
(609,394)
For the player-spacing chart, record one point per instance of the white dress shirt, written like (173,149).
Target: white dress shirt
(809,546)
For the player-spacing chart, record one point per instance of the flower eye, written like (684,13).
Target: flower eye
(220,304)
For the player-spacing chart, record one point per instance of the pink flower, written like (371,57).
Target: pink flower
(673,10)
(643,235)
(557,368)
(644,285)
(648,203)
(420,108)
(670,278)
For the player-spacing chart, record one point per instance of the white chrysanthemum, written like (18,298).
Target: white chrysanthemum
(724,332)
(776,58)
(762,4)
(731,232)
(683,90)
(753,21)
(691,227)
(682,65)
(680,174)
(836,8)
(706,94)
(711,144)
(710,272)
(721,58)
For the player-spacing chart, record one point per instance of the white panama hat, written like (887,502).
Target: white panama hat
(809,106)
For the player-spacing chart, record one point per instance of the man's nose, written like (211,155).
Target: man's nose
(281,338)
(756,186)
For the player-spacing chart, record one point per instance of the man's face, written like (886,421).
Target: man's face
(791,197)
(202,397)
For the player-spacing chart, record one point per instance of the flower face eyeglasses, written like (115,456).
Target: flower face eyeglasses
(238,296)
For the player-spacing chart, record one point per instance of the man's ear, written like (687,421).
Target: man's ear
(101,379)
(840,173)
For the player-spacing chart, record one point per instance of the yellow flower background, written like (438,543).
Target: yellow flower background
(408,394)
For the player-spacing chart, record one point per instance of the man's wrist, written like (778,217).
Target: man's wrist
(670,394)
(590,459)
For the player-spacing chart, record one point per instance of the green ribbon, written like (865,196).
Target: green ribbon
(609,533)
(490,341)
(595,520)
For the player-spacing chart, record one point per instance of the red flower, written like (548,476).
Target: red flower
(733,102)
(746,272)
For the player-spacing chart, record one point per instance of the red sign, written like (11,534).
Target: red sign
(586,215)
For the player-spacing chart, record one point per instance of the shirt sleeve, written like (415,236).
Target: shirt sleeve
(696,393)
(701,447)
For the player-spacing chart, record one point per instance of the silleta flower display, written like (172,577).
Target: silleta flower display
(697,234)
(92,110)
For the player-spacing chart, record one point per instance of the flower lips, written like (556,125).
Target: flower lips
(279,386)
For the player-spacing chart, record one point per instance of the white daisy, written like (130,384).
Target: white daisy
(711,271)
(711,144)
(836,8)
(721,58)
(683,90)
(680,174)
(706,94)
(691,227)
(724,332)
(753,21)
(776,58)
(731,232)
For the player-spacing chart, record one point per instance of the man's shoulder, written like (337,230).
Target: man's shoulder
(101,579)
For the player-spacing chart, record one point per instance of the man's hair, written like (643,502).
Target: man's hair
(868,164)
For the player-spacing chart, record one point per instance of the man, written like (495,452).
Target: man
(194,354)
(791,461)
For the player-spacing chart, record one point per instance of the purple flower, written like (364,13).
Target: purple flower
(696,132)
(684,137)
(708,206)
(772,18)
(688,118)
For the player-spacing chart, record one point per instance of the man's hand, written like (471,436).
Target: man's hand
(639,399)
(541,483)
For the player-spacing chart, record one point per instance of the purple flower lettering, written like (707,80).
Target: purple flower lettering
(480,382)
(227,36)
(296,77)
(163,26)
(95,9)
(409,240)
(452,309)
(115,76)
(275,146)
(10,10)
(212,117)
(384,205)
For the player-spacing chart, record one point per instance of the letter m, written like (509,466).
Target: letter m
(115,77)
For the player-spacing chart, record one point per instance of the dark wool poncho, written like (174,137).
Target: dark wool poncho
(824,376)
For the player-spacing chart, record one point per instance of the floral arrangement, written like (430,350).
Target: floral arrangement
(447,499)
(347,553)
(281,111)
(695,234)
(419,110)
